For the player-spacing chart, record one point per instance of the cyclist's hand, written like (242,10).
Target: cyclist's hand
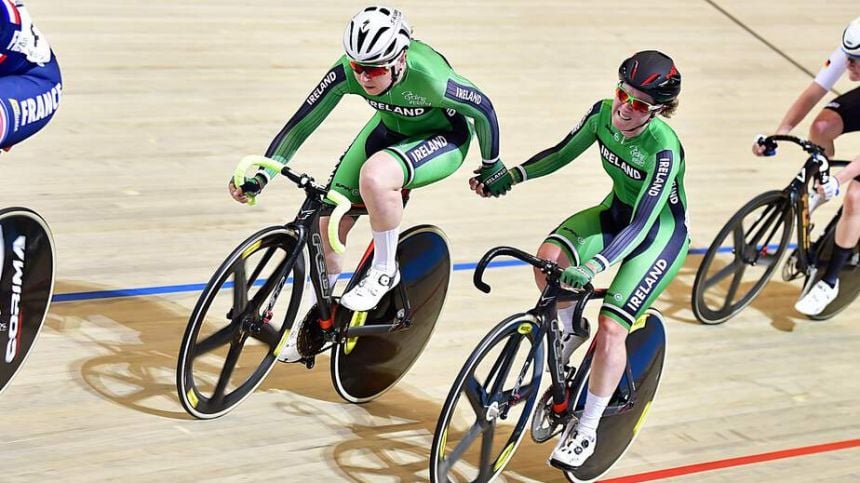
(251,186)
(829,189)
(577,277)
(493,179)
(759,149)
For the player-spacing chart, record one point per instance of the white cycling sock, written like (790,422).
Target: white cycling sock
(594,407)
(565,318)
(385,249)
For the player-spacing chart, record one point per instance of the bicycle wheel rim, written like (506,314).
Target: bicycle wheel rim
(771,251)
(190,384)
(493,461)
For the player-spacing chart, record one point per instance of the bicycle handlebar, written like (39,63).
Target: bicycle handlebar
(815,151)
(552,269)
(302,180)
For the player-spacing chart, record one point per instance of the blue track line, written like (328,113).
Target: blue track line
(197,287)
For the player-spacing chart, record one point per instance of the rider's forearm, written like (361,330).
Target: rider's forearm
(801,107)
(574,144)
(849,172)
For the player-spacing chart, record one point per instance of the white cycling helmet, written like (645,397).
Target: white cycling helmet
(851,39)
(376,35)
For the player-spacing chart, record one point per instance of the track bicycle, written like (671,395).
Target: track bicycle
(249,309)
(747,250)
(496,396)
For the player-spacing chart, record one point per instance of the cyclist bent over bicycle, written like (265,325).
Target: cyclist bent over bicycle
(840,116)
(419,135)
(641,224)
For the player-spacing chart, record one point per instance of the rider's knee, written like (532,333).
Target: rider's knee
(611,333)
(380,172)
(826,127)
(851,202)
(548,251)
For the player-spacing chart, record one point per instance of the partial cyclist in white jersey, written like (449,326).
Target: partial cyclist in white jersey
(839,116)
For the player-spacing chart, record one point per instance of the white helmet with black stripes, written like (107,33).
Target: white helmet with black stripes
(376,35)
(851,39)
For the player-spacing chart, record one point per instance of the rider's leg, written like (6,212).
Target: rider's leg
(410,163)
(642,277)
(847,234)
(334,261)
(826,127)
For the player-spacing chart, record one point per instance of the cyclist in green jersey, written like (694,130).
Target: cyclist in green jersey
(640,225)
(425,117)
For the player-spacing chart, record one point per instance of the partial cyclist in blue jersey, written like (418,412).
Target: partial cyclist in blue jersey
(30,82)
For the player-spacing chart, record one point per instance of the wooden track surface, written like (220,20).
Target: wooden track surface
(160,101)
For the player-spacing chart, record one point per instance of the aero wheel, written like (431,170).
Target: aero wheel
(363,368)
(490,404)
(26,285)
(742,258)
(625,416)
(243,314)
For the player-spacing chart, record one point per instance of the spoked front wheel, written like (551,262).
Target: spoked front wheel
(26,283)
(240,319)
(742,258)
(488,409)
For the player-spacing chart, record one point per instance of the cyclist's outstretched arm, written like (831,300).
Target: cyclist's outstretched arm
(465,98)
(315,108)
(551,159)
(804,103)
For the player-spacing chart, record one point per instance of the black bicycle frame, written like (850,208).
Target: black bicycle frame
(547,316)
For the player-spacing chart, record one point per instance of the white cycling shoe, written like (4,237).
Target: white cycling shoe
(817,299)
(370,290)
(573,450)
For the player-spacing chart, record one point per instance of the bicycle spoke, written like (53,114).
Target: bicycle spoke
(229,364)
(269,286)
(214,341)
(268,335)
(502,366)
(722,274)
(240,288)
(486,469)
(261,264)
(475,394)
(733,288)
(465,442)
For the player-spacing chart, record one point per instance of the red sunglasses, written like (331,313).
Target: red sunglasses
(370,70)
(637,104)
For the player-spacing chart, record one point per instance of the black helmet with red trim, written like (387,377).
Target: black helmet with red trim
(653,73)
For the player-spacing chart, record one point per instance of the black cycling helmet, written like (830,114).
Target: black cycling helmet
(653,73)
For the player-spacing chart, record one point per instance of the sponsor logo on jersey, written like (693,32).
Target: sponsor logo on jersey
(664,164)
(414,99)
(647,285)
(427,148)
(320,90)
(637,157)
(615,160)
(402,111)
(33,109)
(15,298)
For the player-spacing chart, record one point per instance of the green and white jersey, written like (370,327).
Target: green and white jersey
(416,105)
(647,172)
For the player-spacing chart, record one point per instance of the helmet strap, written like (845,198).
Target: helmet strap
(396,75)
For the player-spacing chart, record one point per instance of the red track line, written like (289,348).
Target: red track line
(731,462)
